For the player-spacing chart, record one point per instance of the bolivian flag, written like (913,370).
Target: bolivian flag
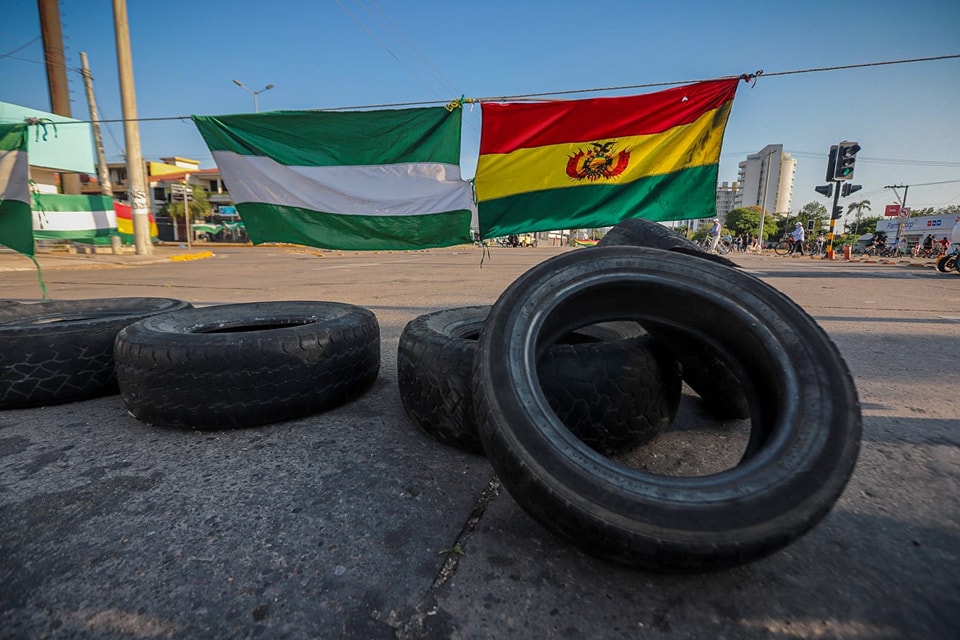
(593,163)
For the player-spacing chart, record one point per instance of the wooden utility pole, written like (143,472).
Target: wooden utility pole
(136,180)
(103,173)
(56,74)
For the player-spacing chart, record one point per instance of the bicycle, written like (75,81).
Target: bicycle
(783,246)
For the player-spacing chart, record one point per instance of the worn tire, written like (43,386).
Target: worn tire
(611,386)
(639,232)
(62,351)
(805,430)
(241,365)
(721,391)
(946,264)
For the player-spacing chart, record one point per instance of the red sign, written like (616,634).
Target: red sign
(892,210)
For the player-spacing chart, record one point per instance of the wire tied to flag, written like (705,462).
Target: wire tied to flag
(41,123)
(458,103)
(751,78)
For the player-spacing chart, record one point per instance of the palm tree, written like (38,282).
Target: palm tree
(859,207)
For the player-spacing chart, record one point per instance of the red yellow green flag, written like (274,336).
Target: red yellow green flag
(593,163)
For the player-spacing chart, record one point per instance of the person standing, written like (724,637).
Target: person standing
(797,235)
(714,235)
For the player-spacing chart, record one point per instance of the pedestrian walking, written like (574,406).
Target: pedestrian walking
(797,235)
(714,235)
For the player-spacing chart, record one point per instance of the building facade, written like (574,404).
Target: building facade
(728,195)
(766,180)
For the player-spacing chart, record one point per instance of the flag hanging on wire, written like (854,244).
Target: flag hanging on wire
(384,180)
(593,163)
(16,220)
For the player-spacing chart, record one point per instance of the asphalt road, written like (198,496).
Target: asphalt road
(353,524)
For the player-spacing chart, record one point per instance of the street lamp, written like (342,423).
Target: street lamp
(256,107)
(763,195)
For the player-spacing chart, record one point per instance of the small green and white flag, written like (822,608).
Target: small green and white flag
(345,180)
(16,220)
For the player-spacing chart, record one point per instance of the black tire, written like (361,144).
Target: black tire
(947,263)
(242,365)
(612,387)
(639,232)
(805,432)
(782,248)
(722,393)
(62,351)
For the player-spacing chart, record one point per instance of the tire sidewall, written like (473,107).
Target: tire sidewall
(787,485)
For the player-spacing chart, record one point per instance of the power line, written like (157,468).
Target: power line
(391,28)
(385,47)
(576,91)
(10,53)
(868,159)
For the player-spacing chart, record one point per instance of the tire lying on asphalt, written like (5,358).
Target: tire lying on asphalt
(241,365)
(639,232)
(613,388)
(62,351)
(946,264)
(721,391)
(805,427)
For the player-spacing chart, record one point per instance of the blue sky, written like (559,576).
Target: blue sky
(334,53)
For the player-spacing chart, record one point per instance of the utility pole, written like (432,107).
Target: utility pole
(136,181)
(56,74)
(903,205)
(103,173)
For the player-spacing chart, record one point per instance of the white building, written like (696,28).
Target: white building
(766,180)
(727,197)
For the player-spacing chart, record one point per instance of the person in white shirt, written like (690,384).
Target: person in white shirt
(714,235)
(797,235)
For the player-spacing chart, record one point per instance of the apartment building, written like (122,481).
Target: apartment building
(766,180)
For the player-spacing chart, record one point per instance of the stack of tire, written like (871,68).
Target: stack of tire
(768,358)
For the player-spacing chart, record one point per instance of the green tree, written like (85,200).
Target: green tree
(199,209)
(745,220)
(858,208)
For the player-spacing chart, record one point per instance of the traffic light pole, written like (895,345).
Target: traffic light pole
(840,165)
(833,221)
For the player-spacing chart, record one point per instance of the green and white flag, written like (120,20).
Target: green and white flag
(345,180)
(16,221)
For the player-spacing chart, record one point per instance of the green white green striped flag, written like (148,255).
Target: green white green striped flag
(16,221)
(345,180)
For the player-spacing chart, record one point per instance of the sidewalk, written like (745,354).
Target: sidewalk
(54,260)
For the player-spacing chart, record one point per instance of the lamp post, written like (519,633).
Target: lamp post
(256,107)
(763,196)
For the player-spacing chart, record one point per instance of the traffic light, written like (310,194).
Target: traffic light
(837,212)
(825,189)
(850,188)
(831,163)
(846,159)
